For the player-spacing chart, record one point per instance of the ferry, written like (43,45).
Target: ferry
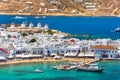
(117,29)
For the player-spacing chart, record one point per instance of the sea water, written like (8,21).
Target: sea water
(96,27)
(9,72)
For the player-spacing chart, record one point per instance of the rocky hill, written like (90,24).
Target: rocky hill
(61,7)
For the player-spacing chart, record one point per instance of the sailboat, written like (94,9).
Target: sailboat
(89,68)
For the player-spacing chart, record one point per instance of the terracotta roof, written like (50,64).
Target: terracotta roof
(72,40)
(103,47)
(1,48)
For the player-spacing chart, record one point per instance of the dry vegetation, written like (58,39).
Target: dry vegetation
(60,7)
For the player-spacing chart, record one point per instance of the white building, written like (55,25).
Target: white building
(31,25)
(12,25)
(39,26)
(105,51)
(46,27)
(37,50)
(72,51)
(23,25)
(91,6)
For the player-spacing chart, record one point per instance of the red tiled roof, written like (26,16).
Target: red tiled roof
(1,48)
(103,47)
(71,40)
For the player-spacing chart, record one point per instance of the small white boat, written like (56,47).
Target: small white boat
(38,70)
(37,17)
(43,16)
(19,17)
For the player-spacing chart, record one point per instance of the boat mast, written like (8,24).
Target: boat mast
(84,55)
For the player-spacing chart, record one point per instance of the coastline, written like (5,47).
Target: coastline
(88,60)
(55,14)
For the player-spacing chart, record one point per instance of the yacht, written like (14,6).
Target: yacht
(19,17)
(91,68)
(43,16)
(117,29)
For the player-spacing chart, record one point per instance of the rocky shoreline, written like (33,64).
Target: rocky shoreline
(60,14)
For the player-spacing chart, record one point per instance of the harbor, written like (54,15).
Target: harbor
(59,40)
(28,48)
(26,71)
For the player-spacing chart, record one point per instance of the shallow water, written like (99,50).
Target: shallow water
(9,72)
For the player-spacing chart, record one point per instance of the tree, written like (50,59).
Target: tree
(50,32)
(89,37)
(24,34)
(33,40)
(9,36)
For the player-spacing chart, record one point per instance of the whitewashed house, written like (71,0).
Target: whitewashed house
(105,51)
(72,51)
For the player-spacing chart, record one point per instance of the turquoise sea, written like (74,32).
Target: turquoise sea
(96,27)
(12,72)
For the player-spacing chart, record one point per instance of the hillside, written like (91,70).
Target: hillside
(61,7)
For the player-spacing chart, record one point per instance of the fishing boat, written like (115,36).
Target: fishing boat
(89,67)
(66,67)
(59,67)
(117,29)
(92,68)
(71,66)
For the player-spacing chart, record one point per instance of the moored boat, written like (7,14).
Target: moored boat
(66,67)
(92,68)
(59,67)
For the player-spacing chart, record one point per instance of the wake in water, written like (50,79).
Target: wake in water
(19,17)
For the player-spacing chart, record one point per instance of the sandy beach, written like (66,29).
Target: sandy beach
(87,60)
